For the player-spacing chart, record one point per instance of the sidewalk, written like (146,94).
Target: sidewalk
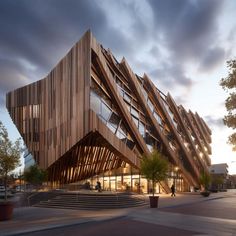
(29,219)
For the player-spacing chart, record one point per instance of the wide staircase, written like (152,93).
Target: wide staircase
(93,201)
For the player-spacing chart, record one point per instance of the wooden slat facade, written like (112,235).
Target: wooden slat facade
(73,141)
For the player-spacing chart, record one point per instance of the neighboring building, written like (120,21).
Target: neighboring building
(221,168)
(219,173)
(231,183)
(28,159)
(92,118)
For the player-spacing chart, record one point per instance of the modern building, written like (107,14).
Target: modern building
(219,176)
(221,168)
(92,118)
(28,159)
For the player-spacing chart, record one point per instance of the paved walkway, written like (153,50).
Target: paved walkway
(32,219)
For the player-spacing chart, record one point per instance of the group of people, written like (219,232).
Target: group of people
(97,187)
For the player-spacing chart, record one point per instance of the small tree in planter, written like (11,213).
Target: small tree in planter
(205,180)
(9,159)
(154,167)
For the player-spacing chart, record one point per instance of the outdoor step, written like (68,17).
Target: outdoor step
(92,201)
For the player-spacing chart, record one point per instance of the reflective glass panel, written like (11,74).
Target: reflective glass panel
(134,112)
(106,111)
(141,129)
(114,120)
(95,102)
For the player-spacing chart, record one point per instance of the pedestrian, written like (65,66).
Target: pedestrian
(98,186)
(172,190)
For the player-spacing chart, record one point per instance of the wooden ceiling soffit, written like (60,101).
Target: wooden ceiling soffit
(181,123)
(112,87)
(93,155)
(158,101)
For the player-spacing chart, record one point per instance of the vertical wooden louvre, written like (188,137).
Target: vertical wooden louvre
(92,114)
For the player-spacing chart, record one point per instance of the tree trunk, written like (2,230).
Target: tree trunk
(153,187)
(5,185)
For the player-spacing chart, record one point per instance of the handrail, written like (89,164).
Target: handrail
(30,196)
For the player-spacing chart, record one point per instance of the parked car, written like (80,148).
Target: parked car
(2,188)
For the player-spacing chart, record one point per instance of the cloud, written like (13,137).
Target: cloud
(12,76)
(171,75)
(187,27)
(214,122)
(188,31)
(160,37)
(212,59)
(36,35)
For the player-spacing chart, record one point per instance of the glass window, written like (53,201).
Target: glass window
(150,105)
(128,106)
(114,120)
(134,103)
(134,112)
(145,94)
(111,127)
(129,142)
(135,120)
(158,118)
(95,102)
(122,127)
(127,97)
(106,111)
(141,129)
(149,140)
(120,134)
(120,90)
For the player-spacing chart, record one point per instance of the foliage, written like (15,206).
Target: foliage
(217,180)
(154,167)
(10,153)
(34,175)
(229,83)
(205,180)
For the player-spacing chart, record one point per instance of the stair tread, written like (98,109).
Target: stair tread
(92,201)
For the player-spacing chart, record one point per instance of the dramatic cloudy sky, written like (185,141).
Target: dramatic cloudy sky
(181,44)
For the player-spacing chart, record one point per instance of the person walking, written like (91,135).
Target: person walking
(172,190)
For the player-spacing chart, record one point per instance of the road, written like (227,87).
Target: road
(212,217)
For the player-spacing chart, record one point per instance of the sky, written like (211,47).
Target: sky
(182,45)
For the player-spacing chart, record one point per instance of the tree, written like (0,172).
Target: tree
(205,180)
(217,181)
(35,176)
(10,153)
(229,83)
(154,167)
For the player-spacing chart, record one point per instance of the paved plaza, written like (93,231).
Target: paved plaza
(185,214)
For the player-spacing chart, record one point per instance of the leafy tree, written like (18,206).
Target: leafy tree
(205,180)
(217,180)
(35,176)
(229,83)
(10,153)
(154,167)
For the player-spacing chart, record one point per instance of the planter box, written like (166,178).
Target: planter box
(6,210)
(153,201)
(205,193)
